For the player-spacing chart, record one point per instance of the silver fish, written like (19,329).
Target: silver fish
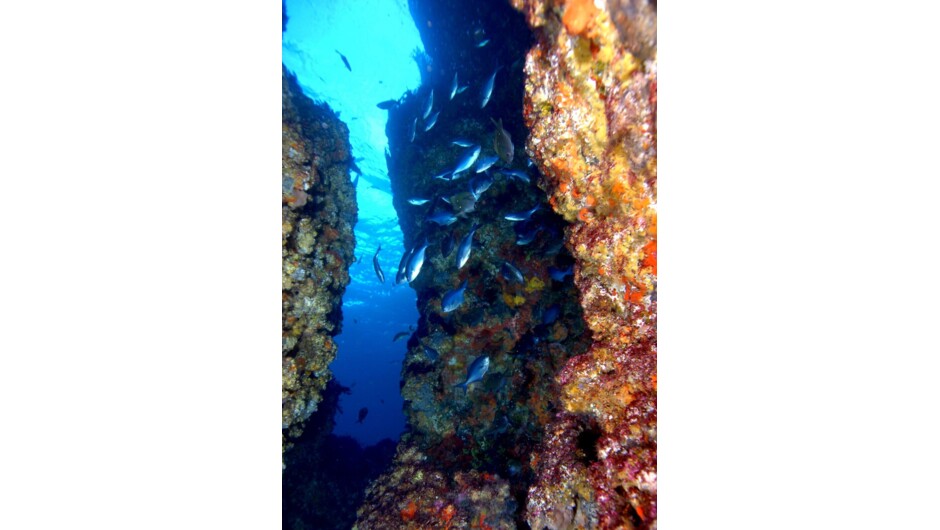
(428,104)
(476,371)
(480,184)
(453,299)
(431,121)
(444,175)
(515,173)
(416,262)
(431,353)
(400,335)
(414,127)
(485,163)
(462,142)
(521,216)
(403,267)
(483,43)
(418,201)
(467,160)
(376,266)
(466,245)
(502,142)
(527,236)
(461,89)
(488,88)
(443,218)
(453,86)
(510,272)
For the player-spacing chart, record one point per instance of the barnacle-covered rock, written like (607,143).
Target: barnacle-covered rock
(318,214)
(590,105)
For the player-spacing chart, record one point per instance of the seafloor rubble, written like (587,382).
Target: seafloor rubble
(318,213)
(561,430)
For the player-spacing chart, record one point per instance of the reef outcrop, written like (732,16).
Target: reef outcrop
(318,214)
(560,432)
(590,106)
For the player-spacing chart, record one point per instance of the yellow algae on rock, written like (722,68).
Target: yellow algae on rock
(596,70)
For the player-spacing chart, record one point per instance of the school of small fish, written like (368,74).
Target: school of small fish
(485,159)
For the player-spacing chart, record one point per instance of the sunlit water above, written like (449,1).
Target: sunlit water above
(378,38)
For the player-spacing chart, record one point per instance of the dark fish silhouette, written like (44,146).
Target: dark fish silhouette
(387,104)
(363,412)
(376,266)
(343,57)
(354,167)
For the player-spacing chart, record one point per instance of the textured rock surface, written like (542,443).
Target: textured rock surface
(317,242)
(590,105)
(417,494)
(564,423)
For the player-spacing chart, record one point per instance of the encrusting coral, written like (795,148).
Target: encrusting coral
(590,105)
(318,214)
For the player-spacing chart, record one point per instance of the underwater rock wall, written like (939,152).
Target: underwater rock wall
(590,106)
(560,432)
(466,458)
(318,214)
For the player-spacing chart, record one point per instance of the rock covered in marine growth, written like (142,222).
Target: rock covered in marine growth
(590,105)
(318,214)
(527,325)
(417,494)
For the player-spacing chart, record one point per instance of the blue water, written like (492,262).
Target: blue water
(378,38)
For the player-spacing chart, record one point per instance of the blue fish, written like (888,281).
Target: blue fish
(511,273)
(559,275)
(443,176)
(431,121)
(526,232)
(461,89)
(483,43)
(453,86)
(416,262)
(467,160)
(376,266)
(461,142)
(521,216)
(403,267)
(516,174)
(485,163)
(488,88)
(428,104)
(418,201)
(345,61)
(551,315)
(479,184)
(443,218)
(466,245)
(476,370)
(453,299)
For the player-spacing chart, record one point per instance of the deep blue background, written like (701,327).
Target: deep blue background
(379,38)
